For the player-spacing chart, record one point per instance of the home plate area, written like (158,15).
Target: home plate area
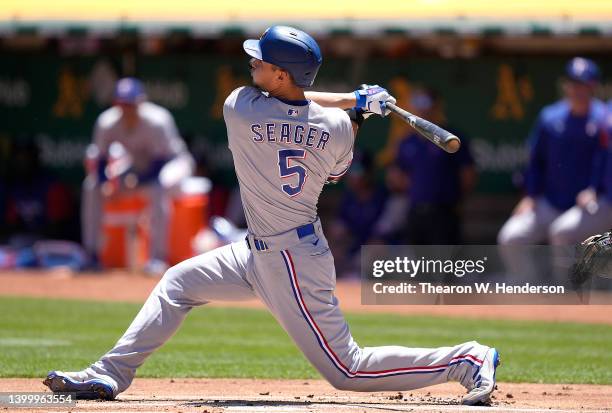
(259,395)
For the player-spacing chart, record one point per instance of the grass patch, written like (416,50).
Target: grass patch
(38,335)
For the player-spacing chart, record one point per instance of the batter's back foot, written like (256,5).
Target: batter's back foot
(85,388)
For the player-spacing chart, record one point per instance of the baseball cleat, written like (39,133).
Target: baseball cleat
(484,381)
(91,389)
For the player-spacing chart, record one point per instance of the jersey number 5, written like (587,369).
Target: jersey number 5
(286,171)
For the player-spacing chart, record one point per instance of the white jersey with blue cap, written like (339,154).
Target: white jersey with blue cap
(284,152)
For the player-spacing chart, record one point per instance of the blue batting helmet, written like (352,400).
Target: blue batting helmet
(582,70)
(290,49)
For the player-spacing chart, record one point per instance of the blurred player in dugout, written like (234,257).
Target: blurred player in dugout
(438,182)
(136,147)
(604,199)
(565,183)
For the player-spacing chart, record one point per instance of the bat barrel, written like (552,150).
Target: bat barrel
(435,134)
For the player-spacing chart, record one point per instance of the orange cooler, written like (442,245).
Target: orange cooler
(125,232)
(126,220)
(189,216)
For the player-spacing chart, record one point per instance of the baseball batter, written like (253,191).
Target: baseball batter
(286,144)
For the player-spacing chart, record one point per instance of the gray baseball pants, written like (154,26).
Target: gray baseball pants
(293,275)
(546,223)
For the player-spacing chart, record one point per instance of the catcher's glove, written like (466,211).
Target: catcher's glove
(593,257)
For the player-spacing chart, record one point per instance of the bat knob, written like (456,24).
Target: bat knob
(452,144)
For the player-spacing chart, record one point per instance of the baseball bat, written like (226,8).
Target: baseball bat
(435,134)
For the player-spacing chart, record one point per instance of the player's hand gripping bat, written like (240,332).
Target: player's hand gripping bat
(435,134)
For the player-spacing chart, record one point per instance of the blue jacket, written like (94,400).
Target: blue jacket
(567,153)
(606,176)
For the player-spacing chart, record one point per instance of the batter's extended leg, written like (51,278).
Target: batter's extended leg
(216,275)
(297,285)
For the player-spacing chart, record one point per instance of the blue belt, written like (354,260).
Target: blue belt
(303,231)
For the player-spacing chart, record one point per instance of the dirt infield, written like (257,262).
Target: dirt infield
(136,288)
(243,395)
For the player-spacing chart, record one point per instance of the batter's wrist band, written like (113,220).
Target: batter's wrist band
(356,115)
(360,98)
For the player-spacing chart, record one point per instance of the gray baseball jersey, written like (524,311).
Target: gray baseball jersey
(154,137)
(283,154)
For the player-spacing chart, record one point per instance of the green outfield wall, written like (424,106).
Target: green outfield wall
(491,100)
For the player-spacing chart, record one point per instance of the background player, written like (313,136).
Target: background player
(285,148)
(602,201)
(438,182)
(159,160)
(563,168)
